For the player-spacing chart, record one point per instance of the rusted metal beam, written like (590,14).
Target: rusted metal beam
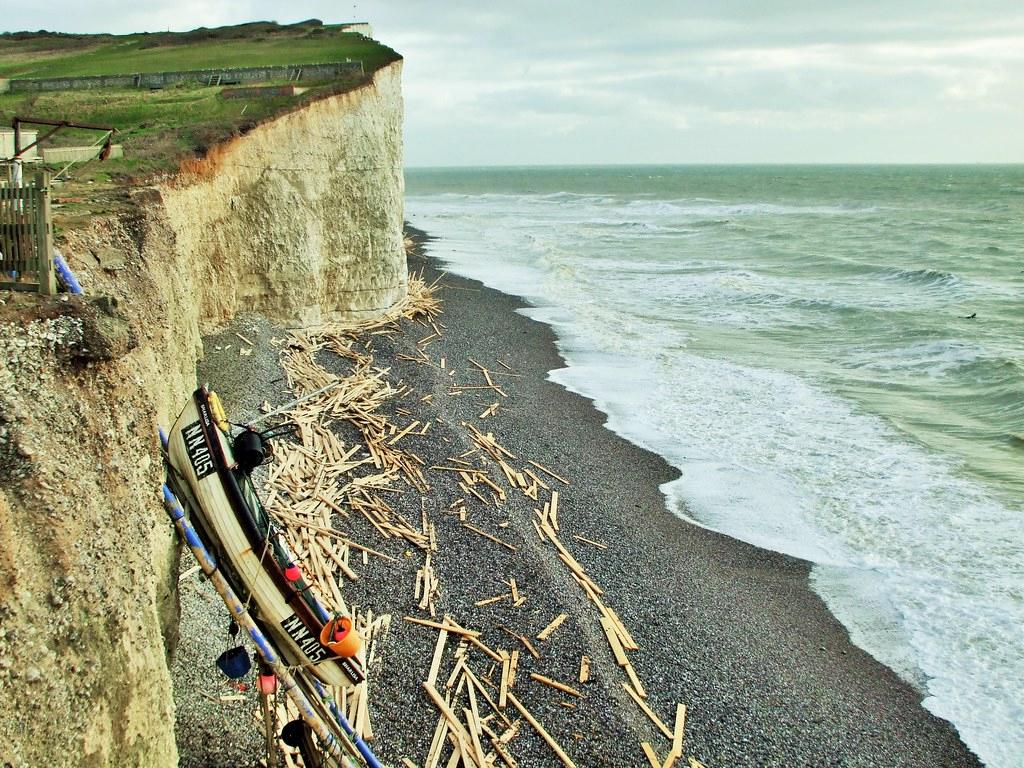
(17,122)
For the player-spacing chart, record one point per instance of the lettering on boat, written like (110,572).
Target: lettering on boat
(303,638)
(198,450)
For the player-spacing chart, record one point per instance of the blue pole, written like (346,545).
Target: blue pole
(67,277)
(328,740)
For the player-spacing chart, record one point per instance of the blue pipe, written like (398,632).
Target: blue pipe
(67,277)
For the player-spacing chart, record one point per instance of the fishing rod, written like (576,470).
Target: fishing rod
(292,404)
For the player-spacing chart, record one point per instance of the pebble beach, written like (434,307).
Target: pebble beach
(733,632)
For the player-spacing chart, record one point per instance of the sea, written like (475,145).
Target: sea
(831,356)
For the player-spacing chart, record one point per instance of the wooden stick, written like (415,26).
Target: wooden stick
(489,600)
(545,633)
(474,729)
(474,680)
(435,664)
(453,628)
(566,761)
(486,535)
(652,756)
(555,684)
(584,668)
(584,539)
(493,654)
(648,711)
(547,471)
(436,744)
(453,721)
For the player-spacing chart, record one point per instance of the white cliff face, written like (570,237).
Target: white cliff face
(301,218)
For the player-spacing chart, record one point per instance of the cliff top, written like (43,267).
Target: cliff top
(260,43)
(160,128)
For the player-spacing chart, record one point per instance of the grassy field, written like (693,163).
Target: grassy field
(160,128)
(247,45)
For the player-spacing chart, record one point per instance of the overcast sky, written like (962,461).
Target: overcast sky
(657,81)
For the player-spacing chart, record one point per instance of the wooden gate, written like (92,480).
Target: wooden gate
(26,233)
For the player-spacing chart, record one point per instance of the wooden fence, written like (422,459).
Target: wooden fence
(26,233)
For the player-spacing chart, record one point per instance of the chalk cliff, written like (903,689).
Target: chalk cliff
(300,219)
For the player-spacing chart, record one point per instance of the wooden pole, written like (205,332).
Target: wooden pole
(43,217)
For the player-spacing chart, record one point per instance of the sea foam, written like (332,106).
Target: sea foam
(745,358)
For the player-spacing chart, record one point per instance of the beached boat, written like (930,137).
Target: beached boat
(222,502)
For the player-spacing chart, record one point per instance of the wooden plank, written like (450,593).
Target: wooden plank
(488,536)
(545,633)
(453,628)
(627,639)
(613,641)
(584,668)
(677,731)
(548,472)
(47,277)
(648,711)
(555,684)
(652,757)
(559,752)
(506,666)
(635,680)
(435,663)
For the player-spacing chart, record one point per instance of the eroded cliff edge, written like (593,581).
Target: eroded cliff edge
(300,219)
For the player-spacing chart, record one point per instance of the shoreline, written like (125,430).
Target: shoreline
(778,569)
(736,633)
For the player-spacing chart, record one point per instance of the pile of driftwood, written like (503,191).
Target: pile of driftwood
(318,482)
(524,480)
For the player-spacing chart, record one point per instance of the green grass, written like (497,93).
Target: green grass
(251,45)
(160,128)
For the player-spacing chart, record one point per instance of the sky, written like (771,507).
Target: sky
(662,81)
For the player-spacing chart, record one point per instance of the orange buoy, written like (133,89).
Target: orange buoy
(339,635)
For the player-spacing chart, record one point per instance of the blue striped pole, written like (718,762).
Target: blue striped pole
(330,743)
(67,277)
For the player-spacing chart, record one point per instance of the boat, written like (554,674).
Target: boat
(210,471)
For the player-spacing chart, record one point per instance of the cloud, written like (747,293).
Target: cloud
(615,82)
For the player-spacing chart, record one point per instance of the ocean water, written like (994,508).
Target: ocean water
(833,358)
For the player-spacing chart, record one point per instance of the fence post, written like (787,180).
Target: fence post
(44,230)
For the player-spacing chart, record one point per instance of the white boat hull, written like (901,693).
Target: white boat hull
(200,466)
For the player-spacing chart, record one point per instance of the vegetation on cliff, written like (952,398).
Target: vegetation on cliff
(160,128)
